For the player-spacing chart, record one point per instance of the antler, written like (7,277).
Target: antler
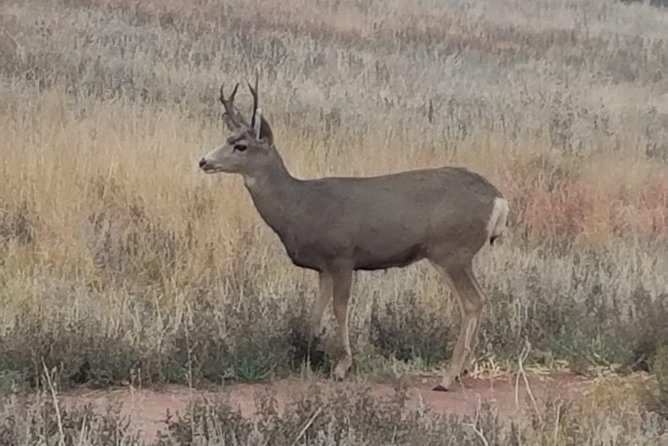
(232,117)
(259,125)
(255,99)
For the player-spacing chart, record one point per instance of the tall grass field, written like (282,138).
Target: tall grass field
(120,262)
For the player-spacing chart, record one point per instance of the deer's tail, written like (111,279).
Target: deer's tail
(498,219)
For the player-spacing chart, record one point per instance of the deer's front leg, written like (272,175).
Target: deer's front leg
(341,290)
(320,303)
(308,340)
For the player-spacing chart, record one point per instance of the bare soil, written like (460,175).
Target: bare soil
(509,395)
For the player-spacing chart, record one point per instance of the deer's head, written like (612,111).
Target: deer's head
(249,147)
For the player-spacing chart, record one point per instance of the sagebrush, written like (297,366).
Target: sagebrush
(120,262)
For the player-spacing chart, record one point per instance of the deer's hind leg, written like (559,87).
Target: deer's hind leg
(472,302)
(342,281)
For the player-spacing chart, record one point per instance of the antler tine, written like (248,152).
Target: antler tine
(230,100)
(231,116)
(255,98)
(234,92)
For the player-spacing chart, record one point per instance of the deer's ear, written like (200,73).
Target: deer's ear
(262,130)
(257,122)
(265,131)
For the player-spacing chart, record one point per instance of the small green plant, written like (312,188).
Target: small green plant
(251,370)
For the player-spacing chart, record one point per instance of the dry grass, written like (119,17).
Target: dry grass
(350,414)
(119,260)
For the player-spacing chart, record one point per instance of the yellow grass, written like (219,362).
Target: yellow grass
(97,172)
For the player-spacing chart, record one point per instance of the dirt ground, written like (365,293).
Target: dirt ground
(147,408)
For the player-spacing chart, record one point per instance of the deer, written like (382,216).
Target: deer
(337,226)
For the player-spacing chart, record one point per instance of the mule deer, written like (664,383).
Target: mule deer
(337,225)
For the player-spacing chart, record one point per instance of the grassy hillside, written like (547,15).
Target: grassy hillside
(119,261)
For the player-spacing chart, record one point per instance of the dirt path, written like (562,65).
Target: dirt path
(147,408)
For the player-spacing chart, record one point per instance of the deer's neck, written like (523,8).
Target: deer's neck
(274,192)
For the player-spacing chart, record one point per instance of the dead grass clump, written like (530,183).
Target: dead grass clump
(42,419)
(410,329)
(247,339)
(125,241)
(18,225)
(252,337)
(353,416)
(82,351)
(661,372)
(647,329)
(200,351)
(588,328)
(349,416)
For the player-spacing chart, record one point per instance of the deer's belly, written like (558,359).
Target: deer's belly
(390,257)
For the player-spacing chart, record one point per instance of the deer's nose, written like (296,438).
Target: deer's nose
(202,163)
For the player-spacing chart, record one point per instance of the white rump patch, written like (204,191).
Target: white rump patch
(498,219)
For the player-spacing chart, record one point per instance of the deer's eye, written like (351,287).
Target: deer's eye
(239,147)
